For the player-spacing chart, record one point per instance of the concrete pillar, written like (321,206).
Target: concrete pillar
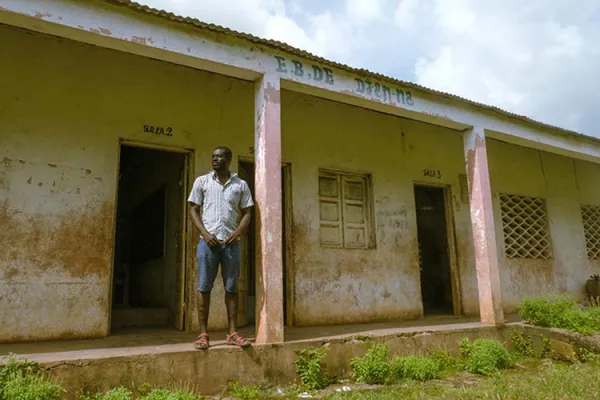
(482,225)
(269,260)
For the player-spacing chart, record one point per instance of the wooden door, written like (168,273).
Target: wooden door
(243,284)
(182,243)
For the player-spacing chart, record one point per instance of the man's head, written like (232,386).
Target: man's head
(221,159)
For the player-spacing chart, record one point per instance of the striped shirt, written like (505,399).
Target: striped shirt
(221,203)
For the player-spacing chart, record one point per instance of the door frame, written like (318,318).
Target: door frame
(287,215)
(451,242)
(185,233)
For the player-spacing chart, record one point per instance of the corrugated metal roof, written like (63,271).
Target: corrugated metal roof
(302,53)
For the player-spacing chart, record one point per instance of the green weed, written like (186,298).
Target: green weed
(445,361)
(242,392)
(414,367)
(309,367)
(522,343)
(373,367)
(484,356)
(30,387)
(120,393)
(165,394)
(559,312)
(23,380)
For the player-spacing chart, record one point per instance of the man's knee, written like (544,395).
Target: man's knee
(231,286)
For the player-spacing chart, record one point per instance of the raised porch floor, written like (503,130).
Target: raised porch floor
(165,357)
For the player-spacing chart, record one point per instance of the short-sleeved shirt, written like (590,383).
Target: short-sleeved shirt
(221,203)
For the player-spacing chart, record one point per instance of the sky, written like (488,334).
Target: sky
(538,58)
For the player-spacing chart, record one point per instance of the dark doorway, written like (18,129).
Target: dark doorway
(148,263)
(434,260)
(247,290)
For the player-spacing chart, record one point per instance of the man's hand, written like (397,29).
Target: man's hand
(211,240)
(232,238)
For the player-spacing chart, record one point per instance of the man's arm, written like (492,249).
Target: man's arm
(246,217)
(197,219)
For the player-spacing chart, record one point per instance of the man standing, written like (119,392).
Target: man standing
(220,208)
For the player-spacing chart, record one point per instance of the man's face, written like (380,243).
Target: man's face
(220,162)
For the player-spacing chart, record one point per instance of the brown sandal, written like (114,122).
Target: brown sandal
(239,341)
(201,343)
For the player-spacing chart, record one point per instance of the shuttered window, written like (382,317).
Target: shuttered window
(345,212)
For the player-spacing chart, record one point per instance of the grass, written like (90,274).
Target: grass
(152,394)
(551,381)
(560,312)
(23,380)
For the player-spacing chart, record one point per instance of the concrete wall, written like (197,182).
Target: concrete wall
(66,106)
(210,372)
(565,184)
(62,113)
(352,285)
(60,183)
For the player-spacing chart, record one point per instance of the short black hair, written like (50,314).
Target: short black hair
(226,150)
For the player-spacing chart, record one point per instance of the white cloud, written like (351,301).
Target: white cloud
(406,13)
(539,58)
(526,59)
(364,11)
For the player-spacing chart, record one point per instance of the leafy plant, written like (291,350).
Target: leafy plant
(414,367)
(484,356)
(29,387)
(373,367)
(546,349)
(23,380)
(586,355)
(559,312)
(120,393)
(522,344)
(15,368)
(309,367)
(445,361)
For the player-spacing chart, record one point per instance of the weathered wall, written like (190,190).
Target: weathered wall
(342,285)
(565,184)
(66,106)
(63,108)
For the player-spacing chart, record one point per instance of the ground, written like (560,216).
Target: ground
(529,379)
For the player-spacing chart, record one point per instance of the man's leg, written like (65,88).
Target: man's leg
(208,263)
(231,302)
(203,306)
(230,270)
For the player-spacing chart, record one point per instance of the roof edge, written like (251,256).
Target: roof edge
(277,45)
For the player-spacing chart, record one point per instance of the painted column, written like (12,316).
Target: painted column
(269,260)
(482,225)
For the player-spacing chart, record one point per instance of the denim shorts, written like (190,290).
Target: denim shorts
(209,260)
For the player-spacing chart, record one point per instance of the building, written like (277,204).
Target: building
(376,199)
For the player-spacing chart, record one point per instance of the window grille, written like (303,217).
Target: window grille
(591,226)
(525,225)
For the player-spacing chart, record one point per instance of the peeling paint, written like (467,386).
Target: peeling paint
(142,40)
(42,15)
(101,31)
